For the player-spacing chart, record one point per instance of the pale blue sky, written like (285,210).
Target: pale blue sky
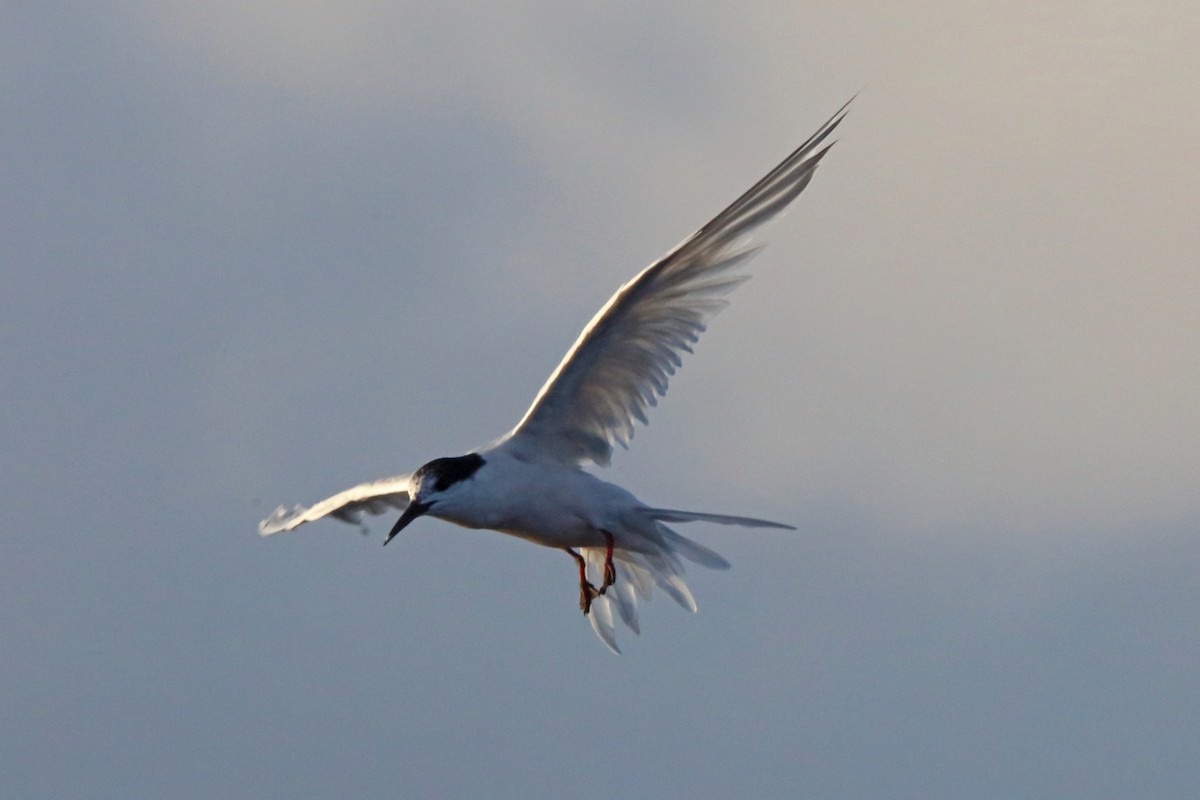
(255,252)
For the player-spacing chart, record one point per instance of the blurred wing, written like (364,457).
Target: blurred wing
(620,365)
(375,497)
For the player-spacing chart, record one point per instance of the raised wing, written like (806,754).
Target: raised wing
(375,497)
(620,365)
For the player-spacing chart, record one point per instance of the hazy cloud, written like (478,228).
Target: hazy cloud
(255,252)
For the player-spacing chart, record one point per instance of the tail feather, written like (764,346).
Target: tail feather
(638,575)
(693,551)
(655,559)
(602,623)
(677,590)
(623,593)
(672,515)
(625,599)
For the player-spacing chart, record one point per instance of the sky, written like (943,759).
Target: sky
(256,252)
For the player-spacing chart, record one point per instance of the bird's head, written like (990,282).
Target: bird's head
(434,483)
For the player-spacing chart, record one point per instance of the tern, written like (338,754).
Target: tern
(531,483)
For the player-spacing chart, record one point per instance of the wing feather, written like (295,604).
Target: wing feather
(622,362)
(373,497)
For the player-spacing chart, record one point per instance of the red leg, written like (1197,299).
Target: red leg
(587,592)
(610,571)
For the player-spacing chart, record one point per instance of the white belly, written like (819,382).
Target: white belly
(545,504)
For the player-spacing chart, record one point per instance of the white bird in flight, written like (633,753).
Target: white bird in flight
(530,483)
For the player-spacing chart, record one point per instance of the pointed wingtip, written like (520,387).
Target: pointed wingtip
(841,112)
(276,523)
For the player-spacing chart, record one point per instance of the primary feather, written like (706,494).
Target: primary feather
(620,365)
(373,497)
